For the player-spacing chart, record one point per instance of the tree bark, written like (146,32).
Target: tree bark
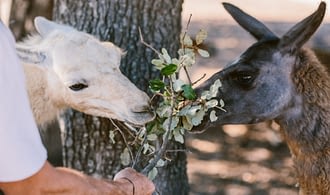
(87,145)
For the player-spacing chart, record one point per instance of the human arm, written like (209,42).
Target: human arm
(23,165)
(65,181)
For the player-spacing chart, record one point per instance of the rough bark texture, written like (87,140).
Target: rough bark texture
(87,145)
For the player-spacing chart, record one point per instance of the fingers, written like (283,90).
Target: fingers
(142,185)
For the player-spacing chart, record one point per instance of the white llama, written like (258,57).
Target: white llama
(67,68)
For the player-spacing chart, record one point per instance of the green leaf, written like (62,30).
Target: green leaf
(201,36)
(188,92)
(203,53)
(169,69)
(213,116)
(156,84)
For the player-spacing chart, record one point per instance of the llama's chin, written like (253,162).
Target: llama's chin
(140,119)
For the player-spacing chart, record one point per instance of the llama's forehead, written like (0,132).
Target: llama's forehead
(84,57)
(84,52)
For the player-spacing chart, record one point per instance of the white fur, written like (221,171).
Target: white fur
(60,57)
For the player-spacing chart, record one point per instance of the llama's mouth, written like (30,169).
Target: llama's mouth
(139,119)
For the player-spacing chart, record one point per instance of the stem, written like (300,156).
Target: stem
(124,138)
(140,150)
(163,147)
(146,44)
(187,74)
(204,75)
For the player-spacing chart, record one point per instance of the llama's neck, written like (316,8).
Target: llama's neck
(43,104)
(307,133)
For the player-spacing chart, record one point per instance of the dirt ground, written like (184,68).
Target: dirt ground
(241,160)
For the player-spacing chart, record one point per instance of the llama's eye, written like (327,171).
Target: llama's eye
(244,79)
(78,86)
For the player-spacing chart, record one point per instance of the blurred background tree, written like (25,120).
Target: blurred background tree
(86,142)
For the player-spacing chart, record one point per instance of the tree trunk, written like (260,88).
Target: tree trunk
(87,145)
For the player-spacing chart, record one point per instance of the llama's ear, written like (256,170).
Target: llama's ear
(249,23)
(115,52)
(31,57)
(44,26)
(299,34)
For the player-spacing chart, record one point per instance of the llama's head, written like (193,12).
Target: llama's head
(83,73)
(259,85)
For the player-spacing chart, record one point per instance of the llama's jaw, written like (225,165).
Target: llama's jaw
(134,118)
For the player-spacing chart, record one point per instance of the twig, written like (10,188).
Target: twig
(187,74)
(146,44)
(163,147)
(185,32)
(124,138)
(139,152)
(194,83)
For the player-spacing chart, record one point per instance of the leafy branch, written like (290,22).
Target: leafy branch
(179,108)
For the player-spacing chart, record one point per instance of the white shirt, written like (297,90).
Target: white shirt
(22,153)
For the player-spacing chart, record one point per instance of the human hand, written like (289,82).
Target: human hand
(141,184)
(65,181)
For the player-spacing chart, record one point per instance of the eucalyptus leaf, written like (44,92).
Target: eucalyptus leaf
(185,110)
(152,137)
(153,173)
(186,40)
(169,69)
(125,158)
(179,138)
(164,110)
(211,104)
(188,92)
(158,62)
(177,85)
(203,53)
(193,110)
(174,123)
(197,119)
(166,57)
(214,88)
(156,84)
(201,36)
(187,122)
(112,136)
(160,163)
(222,103)
(213,116)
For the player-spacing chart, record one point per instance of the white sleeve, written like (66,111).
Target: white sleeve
(22,153)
